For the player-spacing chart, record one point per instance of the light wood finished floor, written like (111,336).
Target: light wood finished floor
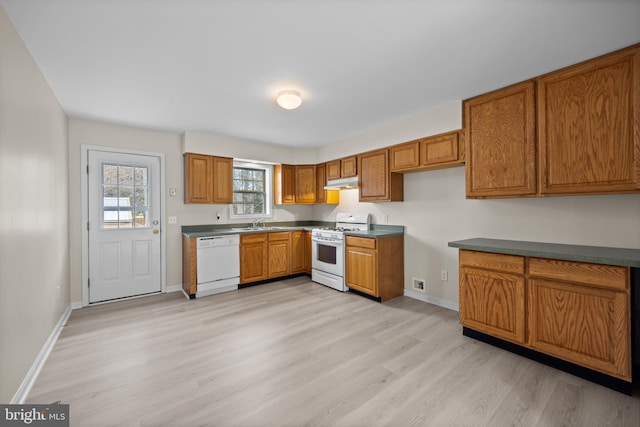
(296,353)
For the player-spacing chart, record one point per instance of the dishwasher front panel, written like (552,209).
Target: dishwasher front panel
(217,258)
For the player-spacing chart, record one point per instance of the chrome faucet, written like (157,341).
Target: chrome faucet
(256,223)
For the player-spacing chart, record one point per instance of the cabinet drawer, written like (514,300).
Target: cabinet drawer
(281,235)
(501,262)
(605,276)
(362,242)
(252,238)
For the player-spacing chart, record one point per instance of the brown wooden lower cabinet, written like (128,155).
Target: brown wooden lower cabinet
(307,252)
(189,273)
(279,254)
(493,303)
(253,257)
(375,266)
(581,324)
(274,254)
(297,252)
(574,311)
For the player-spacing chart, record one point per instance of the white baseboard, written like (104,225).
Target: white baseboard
(451,305)
(174,288)
(32,375)
(76,305)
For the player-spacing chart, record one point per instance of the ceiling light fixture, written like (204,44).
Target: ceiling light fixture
(289,99)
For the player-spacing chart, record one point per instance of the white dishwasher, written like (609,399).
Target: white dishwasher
(218,264)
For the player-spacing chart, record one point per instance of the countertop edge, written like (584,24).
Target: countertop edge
(592,254)
(377,231)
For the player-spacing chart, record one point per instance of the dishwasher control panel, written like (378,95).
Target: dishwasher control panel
(214,241)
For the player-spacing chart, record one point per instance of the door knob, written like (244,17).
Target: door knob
(156,231)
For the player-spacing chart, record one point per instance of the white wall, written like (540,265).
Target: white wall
(108,135)
(34,227)
(172,145)
(435,210)
(238,148)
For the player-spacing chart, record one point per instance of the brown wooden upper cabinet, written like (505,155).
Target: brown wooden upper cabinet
(305,184)
(321,181)
(333,169)
(331,197)
(588,132)
(294,184)
(377,183)
(284,181)
(208,179)
(500,135)
(434,152)
(348,167)
(342,168)
(589,126)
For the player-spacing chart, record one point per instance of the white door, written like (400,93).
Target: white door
(124,225)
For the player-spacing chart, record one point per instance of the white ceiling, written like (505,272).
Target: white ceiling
(216,65)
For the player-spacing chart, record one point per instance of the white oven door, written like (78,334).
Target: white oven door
(328,256)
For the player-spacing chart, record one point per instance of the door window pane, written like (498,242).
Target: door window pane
(125,201)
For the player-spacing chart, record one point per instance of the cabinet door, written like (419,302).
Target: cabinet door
(189,265)
(440,150)
(321,181)
(284,184)
(581,324)
(222,180)
(279,258)
(307,252)
(405,156)
(361,269)
(589,126)
(377,183)
(198,183)
(253,257)
(500,138)
(298,254)
(348,167)
(493,303)
(333,169)
(305,184)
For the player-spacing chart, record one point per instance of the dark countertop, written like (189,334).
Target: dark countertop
(592,254)
(376,230)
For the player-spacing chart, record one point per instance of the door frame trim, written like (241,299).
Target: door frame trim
(84,188)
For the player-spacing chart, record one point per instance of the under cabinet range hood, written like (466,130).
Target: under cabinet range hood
(342,183)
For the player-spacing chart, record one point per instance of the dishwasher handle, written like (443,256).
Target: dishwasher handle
(217,241)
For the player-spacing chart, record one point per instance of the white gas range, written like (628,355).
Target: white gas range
(327,249)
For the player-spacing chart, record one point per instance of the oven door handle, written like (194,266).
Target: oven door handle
(334,243)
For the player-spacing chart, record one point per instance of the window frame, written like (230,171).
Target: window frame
(134,208)
(268,182)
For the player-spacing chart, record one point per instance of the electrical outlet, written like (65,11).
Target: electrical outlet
(173,220)
(385,218)
(419,285)
(444,275)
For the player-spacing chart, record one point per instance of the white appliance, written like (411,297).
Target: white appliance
(218,264)
(327,249)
